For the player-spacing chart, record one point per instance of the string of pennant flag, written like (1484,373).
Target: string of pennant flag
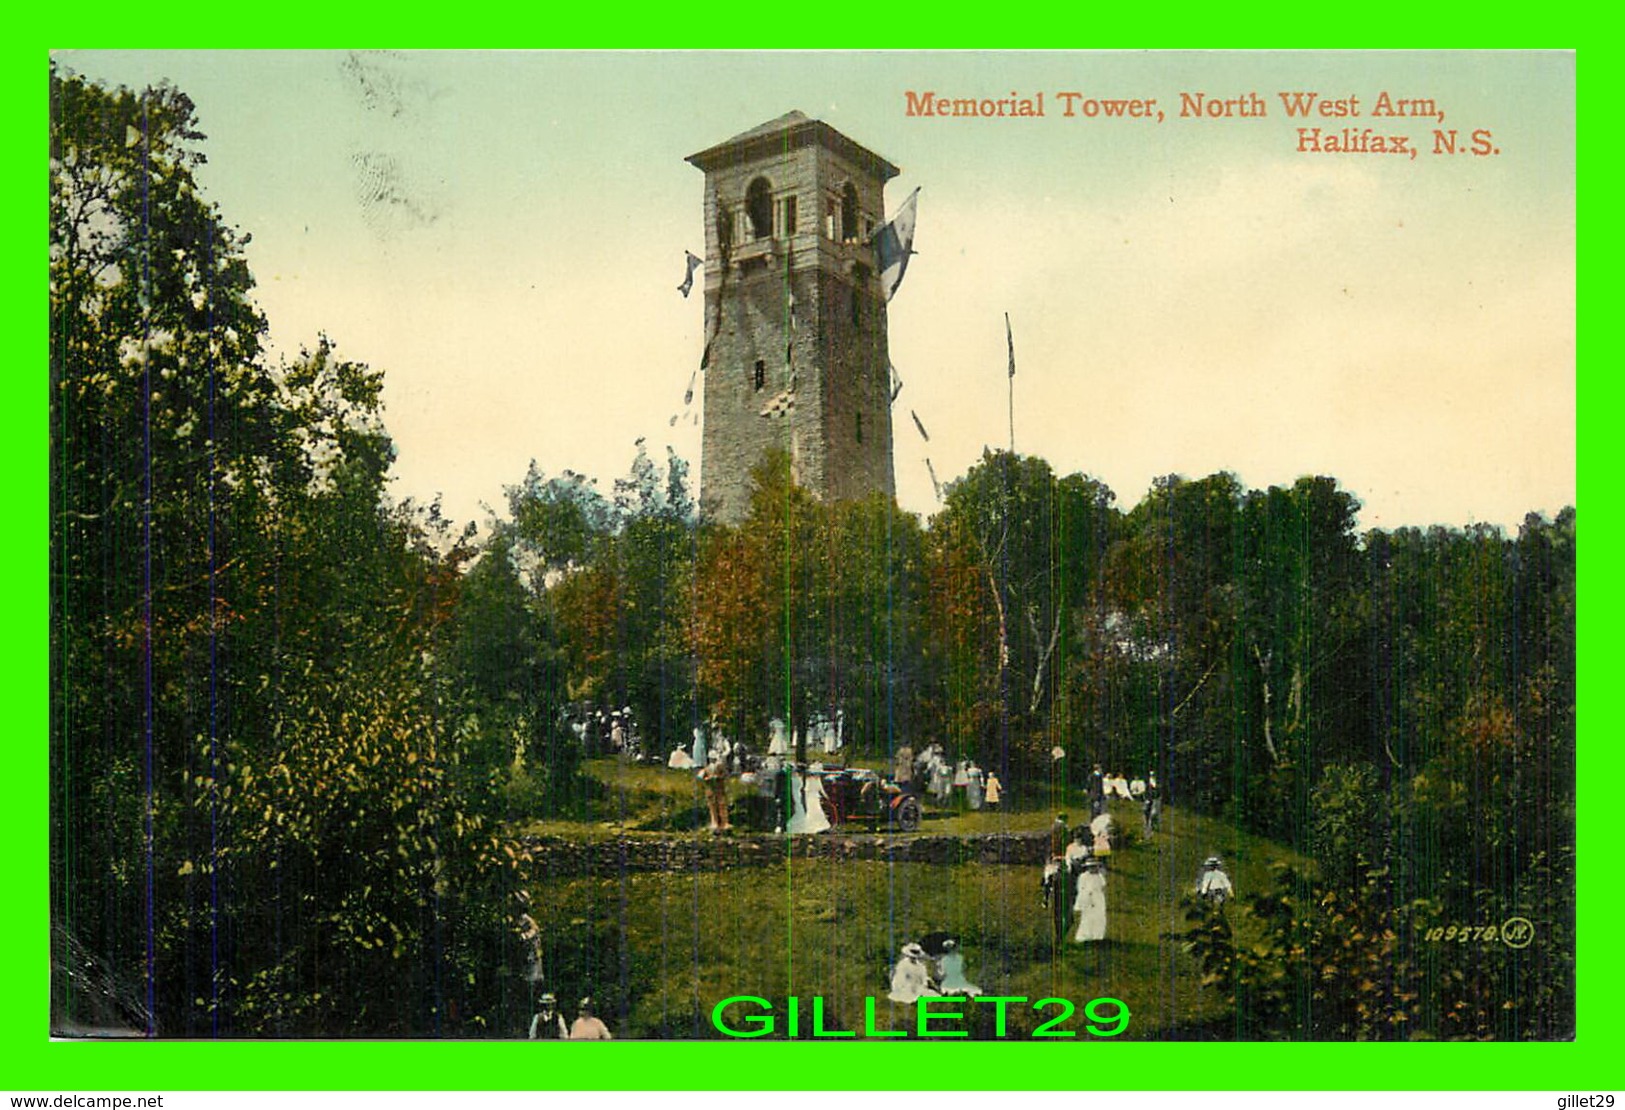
(894,246)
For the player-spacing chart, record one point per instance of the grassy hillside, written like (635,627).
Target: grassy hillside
(658,950)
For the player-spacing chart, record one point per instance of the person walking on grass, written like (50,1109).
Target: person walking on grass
(1102,827)
(1213,885)
(548,1024)
(587,1027)
(1079,851)
(1091,902)
(1055,894)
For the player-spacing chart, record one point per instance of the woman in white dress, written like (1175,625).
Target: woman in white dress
(807,791)
(1077,851)
(1101,828)
(911,978)
(1091,902)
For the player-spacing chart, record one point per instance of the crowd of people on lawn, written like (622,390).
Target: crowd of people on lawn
(1074,879)
(799,788)
(1073,884)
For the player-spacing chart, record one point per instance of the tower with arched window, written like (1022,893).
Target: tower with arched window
(795,317)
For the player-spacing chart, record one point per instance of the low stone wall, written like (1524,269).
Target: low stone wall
(560,858)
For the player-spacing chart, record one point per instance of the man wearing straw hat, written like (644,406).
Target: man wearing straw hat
(548,1024)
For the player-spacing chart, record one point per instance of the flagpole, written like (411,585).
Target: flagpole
(1010,338)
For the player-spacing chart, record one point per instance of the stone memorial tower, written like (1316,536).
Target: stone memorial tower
(795,316)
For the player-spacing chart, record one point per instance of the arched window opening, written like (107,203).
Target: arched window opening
(760,375)
(860,427)
(849,213)
(725,231)
(759,208)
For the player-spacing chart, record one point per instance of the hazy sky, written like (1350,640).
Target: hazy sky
(503,235)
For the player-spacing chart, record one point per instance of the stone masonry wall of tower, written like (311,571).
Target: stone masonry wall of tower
(798,204)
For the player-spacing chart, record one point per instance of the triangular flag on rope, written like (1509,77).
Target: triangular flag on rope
(688,394)
(896,381)
(1010,338)
(894,242)
(935,485)
(694,263)
(716,324)
(923,433)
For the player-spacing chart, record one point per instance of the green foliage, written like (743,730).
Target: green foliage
(1361,962)
(808,608)
(1019,569)
(161,419)
(381,873)
(291,721)
(244,703)
(1346,809)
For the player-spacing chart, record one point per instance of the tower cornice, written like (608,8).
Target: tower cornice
(790,131)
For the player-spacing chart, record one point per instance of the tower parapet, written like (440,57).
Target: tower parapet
(795,314)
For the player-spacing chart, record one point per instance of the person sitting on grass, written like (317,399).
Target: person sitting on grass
(911,978)
(945,949)
(952,968)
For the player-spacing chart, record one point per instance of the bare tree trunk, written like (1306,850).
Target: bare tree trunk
(1264,677)
(998,603)
(1044,652)
(1201,682)
(1294,699)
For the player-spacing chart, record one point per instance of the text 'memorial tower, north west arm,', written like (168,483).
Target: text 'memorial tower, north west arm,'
(795,315)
